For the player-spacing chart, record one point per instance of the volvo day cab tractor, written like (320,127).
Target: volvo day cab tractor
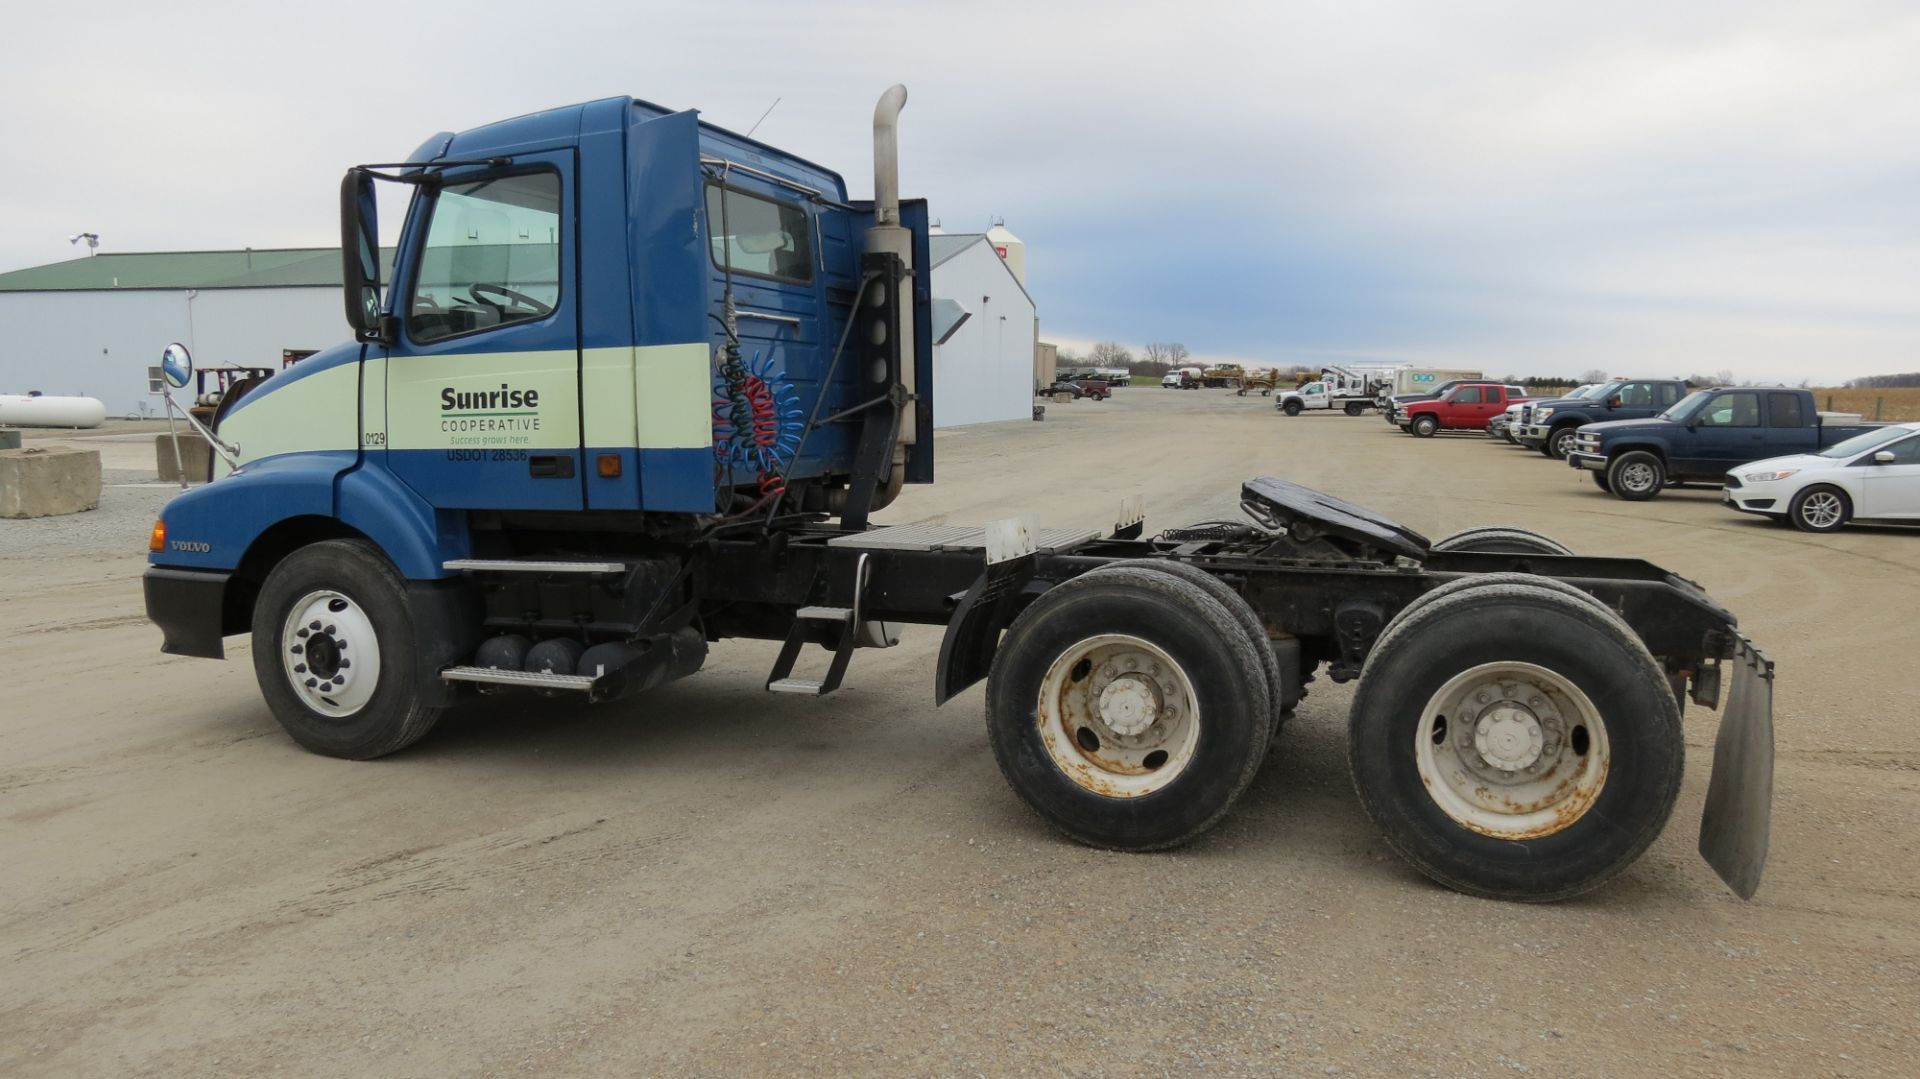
(638,384)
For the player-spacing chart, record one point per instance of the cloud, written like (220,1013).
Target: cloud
(1524,186)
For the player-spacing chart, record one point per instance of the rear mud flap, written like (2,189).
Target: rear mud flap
(1737,821)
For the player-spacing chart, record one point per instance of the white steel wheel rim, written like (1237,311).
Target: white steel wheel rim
(330,653)
(1821,509)
(1637,476)
(1512,750)
(1118,716)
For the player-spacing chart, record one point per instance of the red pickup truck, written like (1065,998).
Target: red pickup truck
(1466,407)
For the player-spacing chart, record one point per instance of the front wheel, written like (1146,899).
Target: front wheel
(1292,408)
(1600,480)
(1515,742)
(1128,709)
(1560,441)
(335,655)
(1424,426)
(1820,509)
(1636,475)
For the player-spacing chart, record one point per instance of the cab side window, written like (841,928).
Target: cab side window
(1670,394)
(758,236)
(492,256)
(1783,410)
(1467,395)
(1636,395)
(1733,410)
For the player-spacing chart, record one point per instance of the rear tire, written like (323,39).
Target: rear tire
(1121,709)
(1636,475)
(1282,697)
(1820,508)
(1424,426)
(1501,539)
(1354,408)
(325,608)
(1515,742)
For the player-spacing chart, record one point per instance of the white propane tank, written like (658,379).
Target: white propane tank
(1011,248)
(39,410)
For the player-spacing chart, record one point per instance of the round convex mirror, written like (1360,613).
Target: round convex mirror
(176,366)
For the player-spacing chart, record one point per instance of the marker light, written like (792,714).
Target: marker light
(157,541)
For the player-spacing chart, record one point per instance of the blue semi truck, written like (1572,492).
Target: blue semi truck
(636,384)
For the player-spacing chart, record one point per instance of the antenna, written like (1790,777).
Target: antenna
(763,117)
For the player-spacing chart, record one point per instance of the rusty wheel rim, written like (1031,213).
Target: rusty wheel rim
(1512,750)
(1118,716)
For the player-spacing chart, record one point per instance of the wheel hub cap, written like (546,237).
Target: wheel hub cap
(1130,704)
(1509,738)
(330,653)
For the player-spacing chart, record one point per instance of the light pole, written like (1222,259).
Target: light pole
(92,238)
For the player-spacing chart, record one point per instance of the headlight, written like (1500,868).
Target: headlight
(1542,413)
(1769,477)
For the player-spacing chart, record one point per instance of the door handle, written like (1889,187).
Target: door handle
(550,466)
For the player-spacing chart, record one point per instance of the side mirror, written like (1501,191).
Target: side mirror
(1884,457)
(360,255)
(176,366)
(1614,401)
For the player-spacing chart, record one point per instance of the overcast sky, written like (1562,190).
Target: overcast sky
(1648,188)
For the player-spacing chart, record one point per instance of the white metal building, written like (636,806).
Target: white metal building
(93,325)
(985,331)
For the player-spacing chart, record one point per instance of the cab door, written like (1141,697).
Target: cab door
(483,379)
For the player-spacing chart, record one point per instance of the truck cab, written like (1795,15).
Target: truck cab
(1466,407)
(1702,437)
(1549,425)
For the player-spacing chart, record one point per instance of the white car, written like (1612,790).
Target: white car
(1870,477)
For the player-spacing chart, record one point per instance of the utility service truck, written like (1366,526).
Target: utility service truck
(638,384)
(1347,389)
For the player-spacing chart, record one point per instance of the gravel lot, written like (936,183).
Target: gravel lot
(712,880)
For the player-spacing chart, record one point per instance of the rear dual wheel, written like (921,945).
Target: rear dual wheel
(1513,739)
(1129,708)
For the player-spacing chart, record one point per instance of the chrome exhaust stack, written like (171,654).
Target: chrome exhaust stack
(888,237)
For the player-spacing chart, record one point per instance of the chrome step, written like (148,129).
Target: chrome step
(494,676)
(808,686)
(516,565)
(824,614)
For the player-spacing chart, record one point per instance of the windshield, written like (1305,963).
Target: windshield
(1863,442)
(1688,405)
(1583,392)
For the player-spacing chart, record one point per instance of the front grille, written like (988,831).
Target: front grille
(1526,415)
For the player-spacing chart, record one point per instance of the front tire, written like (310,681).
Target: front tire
(1292,408)
(1515,742)
(1560,441)
(1424,426)
(1636,475)
(1125,709)
(335,655)
(1820,508)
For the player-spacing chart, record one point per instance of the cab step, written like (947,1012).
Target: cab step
(494,676)
(527,565)
(781,679)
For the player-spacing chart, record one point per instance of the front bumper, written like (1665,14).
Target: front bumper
(1767,499)
(189,607)
(1592,462)
(1533,433)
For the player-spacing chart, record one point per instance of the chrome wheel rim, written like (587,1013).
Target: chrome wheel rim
(1118,716)
(1821,509)
(330,653)
(1512,751)
(1637,477)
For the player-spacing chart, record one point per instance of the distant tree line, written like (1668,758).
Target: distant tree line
(1886,382)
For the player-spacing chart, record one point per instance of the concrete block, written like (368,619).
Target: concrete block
(46,482)
(1063,398)
(195,455)
(9,439)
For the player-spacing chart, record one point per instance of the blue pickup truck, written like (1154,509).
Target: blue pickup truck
(1701,437)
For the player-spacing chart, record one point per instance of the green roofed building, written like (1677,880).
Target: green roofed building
(93,325)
